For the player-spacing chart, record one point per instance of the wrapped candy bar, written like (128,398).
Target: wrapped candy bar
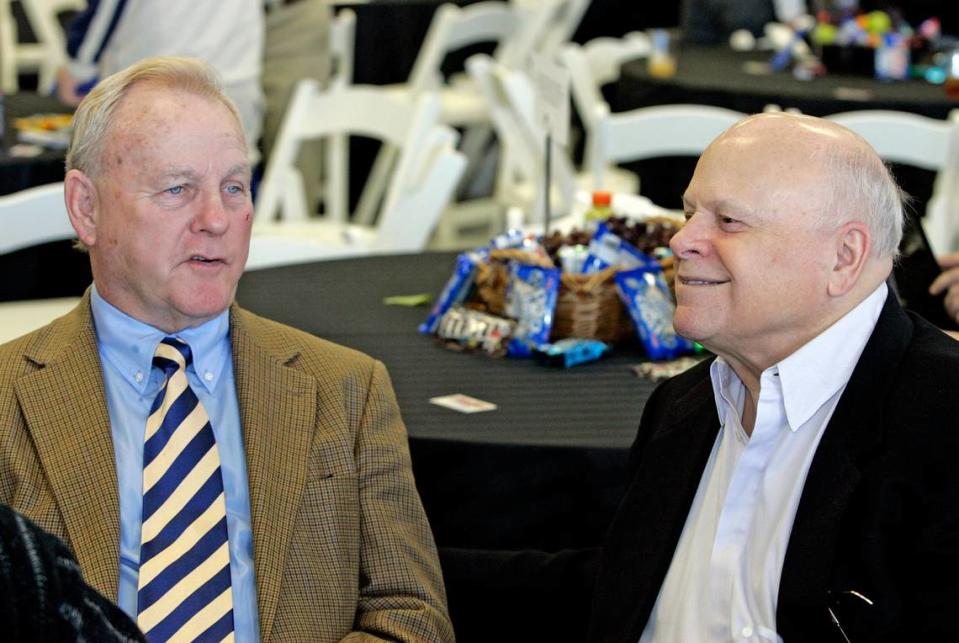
(473,330)
(457,289)
(571,351)
(646,296)
(531,300)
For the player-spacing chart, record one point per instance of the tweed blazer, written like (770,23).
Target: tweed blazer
(342,547)
(878,516)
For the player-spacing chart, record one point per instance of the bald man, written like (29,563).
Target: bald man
(803,485)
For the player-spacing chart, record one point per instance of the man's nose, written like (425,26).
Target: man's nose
(690,239)
(213,216)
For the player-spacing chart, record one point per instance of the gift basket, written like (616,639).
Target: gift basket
(564,298)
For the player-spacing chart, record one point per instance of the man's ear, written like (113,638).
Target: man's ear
(81,199)
(853,245)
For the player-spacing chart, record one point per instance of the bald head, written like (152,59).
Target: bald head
(826,165)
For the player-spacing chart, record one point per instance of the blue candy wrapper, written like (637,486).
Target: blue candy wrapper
(457,289)
(607,249)
(531,300)
(572,351)
(646,296)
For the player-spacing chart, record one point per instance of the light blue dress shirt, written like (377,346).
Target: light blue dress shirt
(126,348)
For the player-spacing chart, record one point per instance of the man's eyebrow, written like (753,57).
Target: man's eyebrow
(240,168)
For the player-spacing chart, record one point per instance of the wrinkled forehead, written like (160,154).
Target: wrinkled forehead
(150,109)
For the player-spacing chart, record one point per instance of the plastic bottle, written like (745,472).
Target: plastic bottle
(601,210)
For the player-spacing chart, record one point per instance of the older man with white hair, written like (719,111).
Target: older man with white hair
(801,486)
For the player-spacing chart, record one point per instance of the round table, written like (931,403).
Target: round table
(21,172)
(506,479)
(592,405)
(726,78)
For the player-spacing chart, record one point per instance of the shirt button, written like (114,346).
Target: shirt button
(208,376)
(747,632)
(138,376)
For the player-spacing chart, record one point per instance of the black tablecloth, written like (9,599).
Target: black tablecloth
(718,76)
(543,471)
(593,405)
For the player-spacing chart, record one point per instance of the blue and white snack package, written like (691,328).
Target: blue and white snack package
(607,249)
(646,296)
(457,289)
(531,294)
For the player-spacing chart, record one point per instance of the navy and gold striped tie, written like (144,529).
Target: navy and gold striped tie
(184,591)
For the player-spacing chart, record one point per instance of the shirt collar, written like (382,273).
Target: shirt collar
(129,344)
(814,373)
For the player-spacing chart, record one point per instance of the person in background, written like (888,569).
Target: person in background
(44,595)
(710,22)
(802,485)
(948,283)
(220,474)
(110,35)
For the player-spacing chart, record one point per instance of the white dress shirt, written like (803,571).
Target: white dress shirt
(723,582)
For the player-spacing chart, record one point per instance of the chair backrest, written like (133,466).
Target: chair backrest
(597,63)
(44,56)
(652,132)
(562,22)
(511,100)
(8,49)
(425,180)
(923,142)
(352,110)
(343,47)
(510,25)
(34,216)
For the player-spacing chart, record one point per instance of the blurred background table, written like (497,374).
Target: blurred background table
(18,172)
(725,78)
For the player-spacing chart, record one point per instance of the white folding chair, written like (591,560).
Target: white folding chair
(592,66)
(342,47)
(44,56)
(34,216)
(420,187)
(923,142)
(652,132)
(427,178)
(561,24)
(521,178)
(314,114)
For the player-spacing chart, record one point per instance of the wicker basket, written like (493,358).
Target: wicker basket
(588,306)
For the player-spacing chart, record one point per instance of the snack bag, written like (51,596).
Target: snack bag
(457,289)
(531,300)
(608,249)
(646,296)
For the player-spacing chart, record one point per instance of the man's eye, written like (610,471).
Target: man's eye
(235,189)
(728,220)
(175,190)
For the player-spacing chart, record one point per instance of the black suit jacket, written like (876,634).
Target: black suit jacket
(879,513)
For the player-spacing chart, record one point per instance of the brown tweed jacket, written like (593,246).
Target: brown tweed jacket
(343,550)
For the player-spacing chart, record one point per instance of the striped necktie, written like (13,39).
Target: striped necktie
(184,591)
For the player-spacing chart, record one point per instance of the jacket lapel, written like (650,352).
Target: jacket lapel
(65,408)
(278,413)
(852,436)
(647,527)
